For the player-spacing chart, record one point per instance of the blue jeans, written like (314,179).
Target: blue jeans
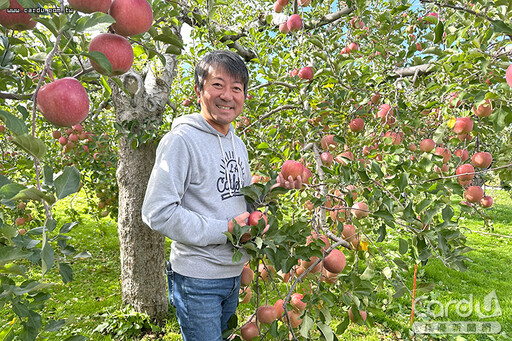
(203,306)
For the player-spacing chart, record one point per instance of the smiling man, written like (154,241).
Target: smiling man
(193,195)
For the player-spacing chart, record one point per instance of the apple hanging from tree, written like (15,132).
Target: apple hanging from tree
(118,51)
(249,331)
(465,172)
(90,6)
(266,314)
(481,159)
(306,73)
(360,210)
(356,125)
(508,75)
(483,110)
(335,261)
(474,194)
(132,16)
(463,125)
(16,21)
(294,23)
(63,102)
(486,201)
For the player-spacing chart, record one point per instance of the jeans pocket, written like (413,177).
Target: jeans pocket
(170,283)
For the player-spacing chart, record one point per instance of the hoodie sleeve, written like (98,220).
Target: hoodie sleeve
(162,210)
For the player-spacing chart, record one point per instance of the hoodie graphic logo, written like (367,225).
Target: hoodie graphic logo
(232,172)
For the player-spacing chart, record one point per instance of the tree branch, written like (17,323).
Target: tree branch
(5,95)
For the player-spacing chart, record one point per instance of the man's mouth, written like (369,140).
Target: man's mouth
(224,107)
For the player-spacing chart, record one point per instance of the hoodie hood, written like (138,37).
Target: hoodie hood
(199,122)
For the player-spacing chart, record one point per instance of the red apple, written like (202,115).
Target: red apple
(360,210)
(306,175)
(279,306)
(249,331)
(63,102)
(292,168)
(278,8)
(295,319)
(474,194)
(306,73)
(349,232)
(90,6)
(465,172)
(245,294)
(335,261)
(356,125)
(326,158)
(132,16)
(508,75)
(283,27)
(445,153)
(353,47)
(118,51)
(266,314)
(463,125)
(463,154)
(297,302)
(282,2)
(247,276)
(486,201)
(328,142)
(353,318)
(294,22)
(481,159)
(483,110)
(255,217)
(19,21)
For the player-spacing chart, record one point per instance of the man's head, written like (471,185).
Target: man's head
(221,85)
(227,60)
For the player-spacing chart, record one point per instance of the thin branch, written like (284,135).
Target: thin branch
(288,85)
(5,95)
(270,113)
(457,175)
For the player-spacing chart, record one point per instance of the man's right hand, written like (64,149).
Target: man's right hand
(241,220)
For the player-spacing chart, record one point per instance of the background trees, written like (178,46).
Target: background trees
(407,69)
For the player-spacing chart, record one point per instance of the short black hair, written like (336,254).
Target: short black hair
(228,60)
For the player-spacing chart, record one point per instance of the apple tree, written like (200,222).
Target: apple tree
(349,90)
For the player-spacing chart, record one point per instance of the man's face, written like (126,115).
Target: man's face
(222,99)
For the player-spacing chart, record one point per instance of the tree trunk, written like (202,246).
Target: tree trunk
(142,250)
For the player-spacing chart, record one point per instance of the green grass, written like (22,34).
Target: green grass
(96,287)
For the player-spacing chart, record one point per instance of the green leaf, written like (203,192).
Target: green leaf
(376,169)
(31,145)
(68,182)
(34,194)
(439,30)
(66,272)
(47,257)
(76,338)
(306,325)
(66,228)
(100,59)
(14,124)
(342,326)
(425,287)
(94,22)
(500,26)
(54,325)
(14,269)
(403,246)
(7,192)
(326,331)
(4,4)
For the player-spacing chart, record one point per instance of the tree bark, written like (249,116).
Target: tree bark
(142,103)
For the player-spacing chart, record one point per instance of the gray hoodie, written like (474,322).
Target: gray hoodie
(193,191)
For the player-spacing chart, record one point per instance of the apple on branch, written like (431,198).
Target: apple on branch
(118,51)
(16,21)
(132,16)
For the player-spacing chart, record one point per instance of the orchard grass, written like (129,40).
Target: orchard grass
(95,291)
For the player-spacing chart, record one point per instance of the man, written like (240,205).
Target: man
(193,195)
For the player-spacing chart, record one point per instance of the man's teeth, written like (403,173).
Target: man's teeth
(223,107)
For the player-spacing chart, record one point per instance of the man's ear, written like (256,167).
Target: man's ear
(197,92)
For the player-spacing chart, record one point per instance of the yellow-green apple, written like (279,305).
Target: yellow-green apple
(63,102)
(132,16)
